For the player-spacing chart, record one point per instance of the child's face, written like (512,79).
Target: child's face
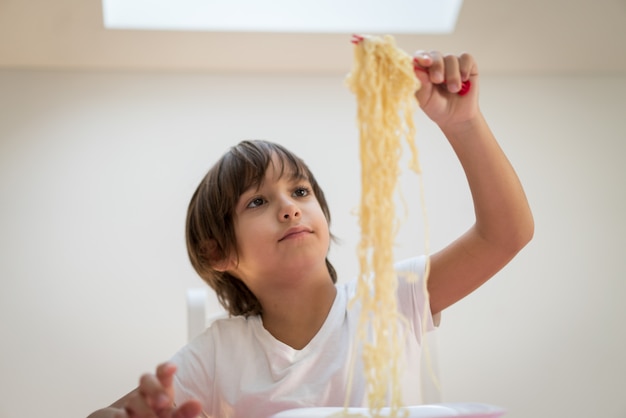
(281,232)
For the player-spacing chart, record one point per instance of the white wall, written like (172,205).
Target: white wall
(96,170)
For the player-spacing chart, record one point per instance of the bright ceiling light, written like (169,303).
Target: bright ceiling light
(299,16)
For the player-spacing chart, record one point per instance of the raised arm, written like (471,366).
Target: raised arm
(504,222)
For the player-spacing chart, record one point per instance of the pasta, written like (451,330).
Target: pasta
(384,84)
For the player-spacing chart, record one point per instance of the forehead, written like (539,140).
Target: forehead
(271,165)
(282,168)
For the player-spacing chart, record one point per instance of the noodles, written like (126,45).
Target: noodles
(384,83)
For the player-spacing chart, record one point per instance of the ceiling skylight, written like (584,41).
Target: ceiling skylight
(295,16)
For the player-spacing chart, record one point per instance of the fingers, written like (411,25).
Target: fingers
(154,394)
(139,406)
(190,409)
(165,373)
(447,71)
(432,63)
(154,397)
(452,73)
(467,66)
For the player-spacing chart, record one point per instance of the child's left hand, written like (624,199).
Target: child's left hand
(441,77)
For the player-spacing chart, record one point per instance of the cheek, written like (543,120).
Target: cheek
(240,237)
(253,236)
(321,217)
(324,226)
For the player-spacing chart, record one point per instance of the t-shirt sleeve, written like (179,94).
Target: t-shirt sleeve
(413,300)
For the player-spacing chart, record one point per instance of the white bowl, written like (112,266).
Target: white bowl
(464,410)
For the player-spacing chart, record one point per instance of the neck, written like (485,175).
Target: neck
(294,316)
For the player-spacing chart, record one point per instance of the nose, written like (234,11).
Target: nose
(289,211)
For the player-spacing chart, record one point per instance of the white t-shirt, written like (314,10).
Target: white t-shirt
(236,368)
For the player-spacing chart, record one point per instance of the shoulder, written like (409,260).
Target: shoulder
(410,270)
(223,323)
(413,296)
(210,355)
(221,329)
(413,265)
(215,341)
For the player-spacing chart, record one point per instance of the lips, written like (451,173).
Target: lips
(294,232)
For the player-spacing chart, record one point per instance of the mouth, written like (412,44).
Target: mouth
(295,232)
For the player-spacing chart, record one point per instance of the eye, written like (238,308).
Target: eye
(256,202)
(302,192)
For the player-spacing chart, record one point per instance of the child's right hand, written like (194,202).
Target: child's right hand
(155,397)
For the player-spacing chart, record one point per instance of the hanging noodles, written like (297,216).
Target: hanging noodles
(384,83)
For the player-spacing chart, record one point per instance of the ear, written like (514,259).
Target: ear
(215,255)
(222,265)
